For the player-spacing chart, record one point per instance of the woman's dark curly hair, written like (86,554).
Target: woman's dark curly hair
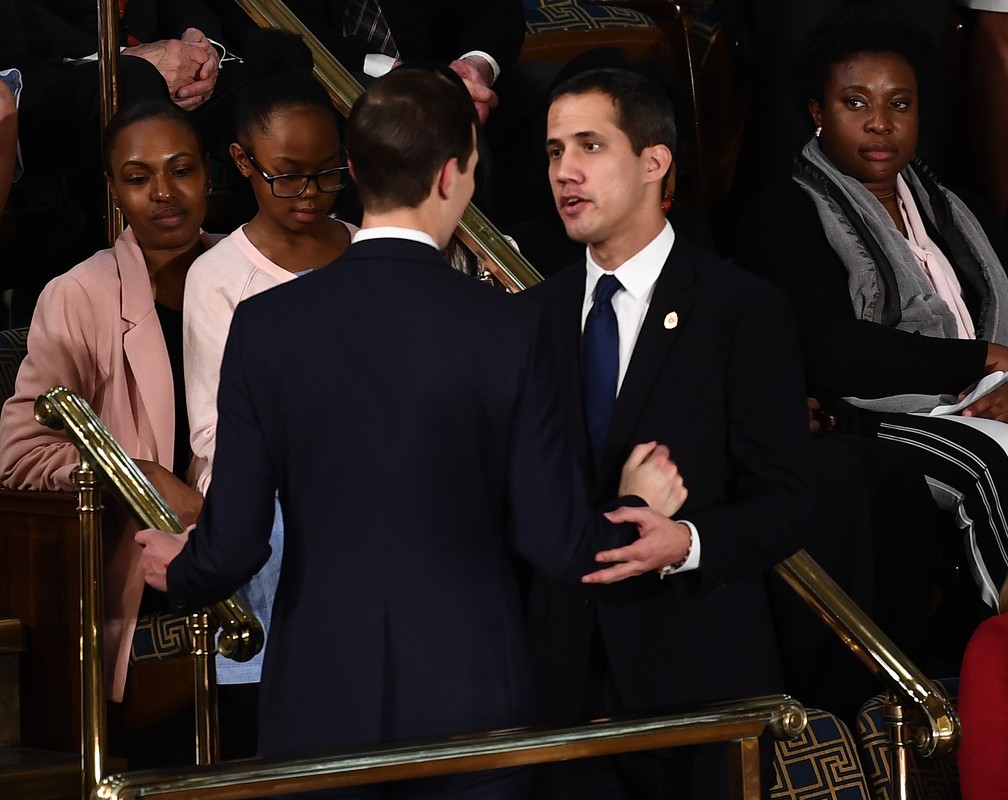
(857,30)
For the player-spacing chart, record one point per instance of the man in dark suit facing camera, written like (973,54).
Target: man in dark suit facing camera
(658,340)
(406,416)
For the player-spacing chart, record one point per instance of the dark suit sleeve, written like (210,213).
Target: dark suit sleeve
(325,20)
(444,31)
(549,520)
(174,16)
(783,241)
(763,517)
(32,34)
(231,541)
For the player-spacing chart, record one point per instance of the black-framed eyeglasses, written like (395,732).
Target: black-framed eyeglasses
(290,184)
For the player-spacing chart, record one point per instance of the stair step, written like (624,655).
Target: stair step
(39,774)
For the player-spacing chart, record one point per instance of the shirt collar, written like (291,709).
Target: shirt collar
(639,272)
(393,232)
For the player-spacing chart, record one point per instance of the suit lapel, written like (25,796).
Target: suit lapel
(565,319)
(674,292)
(145,353)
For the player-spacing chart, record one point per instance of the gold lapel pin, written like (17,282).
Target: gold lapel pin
(671,320)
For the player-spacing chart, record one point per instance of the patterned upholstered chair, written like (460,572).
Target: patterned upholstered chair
(821,764)
(931,778)
(13,346)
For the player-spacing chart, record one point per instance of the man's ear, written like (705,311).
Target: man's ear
(240,159)
(658,161)
(445,181)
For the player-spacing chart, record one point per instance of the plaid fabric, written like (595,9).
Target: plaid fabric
(364,20)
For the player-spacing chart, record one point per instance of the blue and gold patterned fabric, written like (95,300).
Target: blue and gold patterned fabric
(933,778)
(821,764)
(160,636)
(548,16)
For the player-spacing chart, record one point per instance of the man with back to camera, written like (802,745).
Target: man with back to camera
(407,416)
(658,340)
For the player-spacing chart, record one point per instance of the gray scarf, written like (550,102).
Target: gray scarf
(886,284)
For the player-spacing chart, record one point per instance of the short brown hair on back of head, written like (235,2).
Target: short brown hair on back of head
(403,129)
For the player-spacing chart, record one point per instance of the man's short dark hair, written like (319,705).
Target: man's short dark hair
(403,129)
(644,110)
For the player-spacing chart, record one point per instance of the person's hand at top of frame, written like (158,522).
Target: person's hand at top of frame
(478,76)
(662,541)
(649,474)
(188,65)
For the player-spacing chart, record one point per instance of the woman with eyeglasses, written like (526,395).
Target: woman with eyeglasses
(288,147)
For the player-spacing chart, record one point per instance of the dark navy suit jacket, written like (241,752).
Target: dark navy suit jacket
(722,388)
(408,417)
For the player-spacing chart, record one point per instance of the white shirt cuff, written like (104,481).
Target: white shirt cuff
(377,64)
(489,59)
(693,560)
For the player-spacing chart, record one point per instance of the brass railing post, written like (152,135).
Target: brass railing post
(202,626)
(744,768)
(899,744)
(108,71)
(93,732)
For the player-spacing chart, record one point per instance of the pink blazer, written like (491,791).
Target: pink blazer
(96,332)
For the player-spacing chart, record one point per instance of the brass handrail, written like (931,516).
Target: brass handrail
(739,723)
(495,253)
(242,636)
(935,725)
(108,71)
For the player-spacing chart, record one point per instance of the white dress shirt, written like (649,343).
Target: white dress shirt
(392,232)
(638,276)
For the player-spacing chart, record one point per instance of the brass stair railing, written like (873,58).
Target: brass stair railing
(241,633)
(495,253)
(736,723)
(916,712)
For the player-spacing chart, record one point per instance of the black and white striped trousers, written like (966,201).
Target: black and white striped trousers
(966,463)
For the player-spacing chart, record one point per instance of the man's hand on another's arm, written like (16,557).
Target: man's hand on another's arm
(649,474)
(662,541)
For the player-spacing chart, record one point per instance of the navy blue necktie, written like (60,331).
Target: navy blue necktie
(600,362)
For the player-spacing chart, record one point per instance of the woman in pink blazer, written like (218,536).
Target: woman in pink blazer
(110,330)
